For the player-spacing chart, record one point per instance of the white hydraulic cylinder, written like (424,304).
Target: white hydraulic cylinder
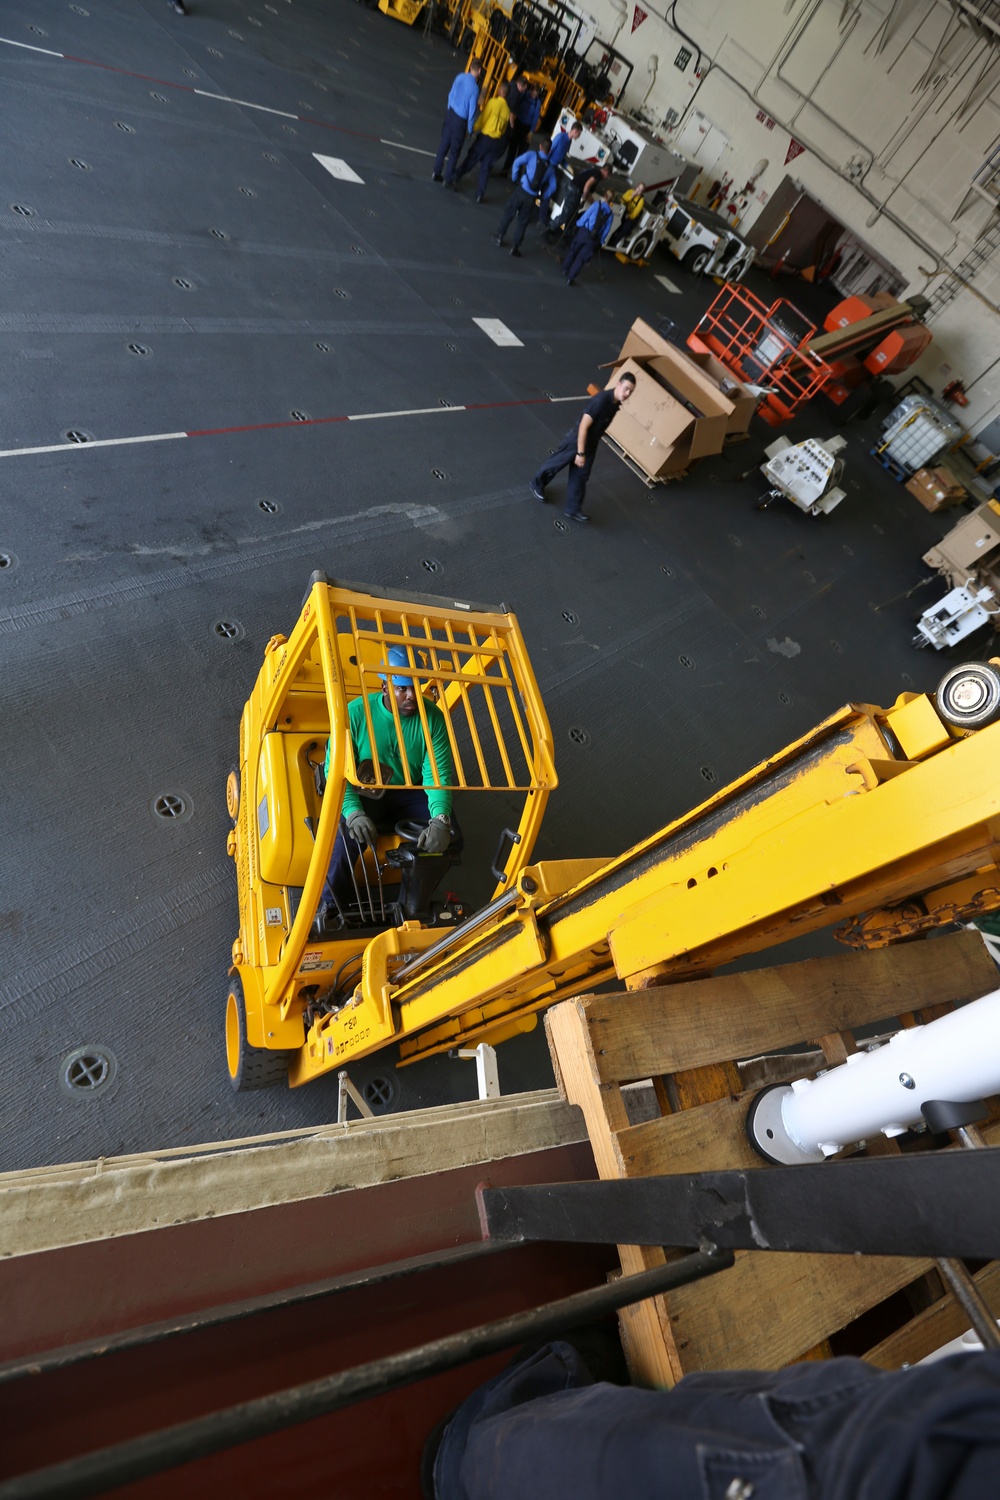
(956,1058)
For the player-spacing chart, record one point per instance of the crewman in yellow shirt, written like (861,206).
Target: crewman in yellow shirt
(634,204)
(492,125)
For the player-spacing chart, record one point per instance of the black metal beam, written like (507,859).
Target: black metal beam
(106,1469)
(934,1203)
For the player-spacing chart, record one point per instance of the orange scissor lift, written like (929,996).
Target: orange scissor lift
(776,347)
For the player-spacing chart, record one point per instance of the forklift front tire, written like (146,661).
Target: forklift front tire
(249,1067)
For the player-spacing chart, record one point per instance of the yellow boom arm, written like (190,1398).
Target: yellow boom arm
(885,822)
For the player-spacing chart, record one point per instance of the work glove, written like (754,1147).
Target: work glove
(362,829)
(436,836)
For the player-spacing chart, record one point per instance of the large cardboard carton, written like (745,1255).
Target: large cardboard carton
(740,397)
(644,345)
(717,405)
(676,412)
(967,546)
(661,427)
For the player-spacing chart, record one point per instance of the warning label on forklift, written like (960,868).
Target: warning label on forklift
(312,961)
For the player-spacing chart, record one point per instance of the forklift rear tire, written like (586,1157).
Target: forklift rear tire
(233,795)
(249,1067)
(968,697)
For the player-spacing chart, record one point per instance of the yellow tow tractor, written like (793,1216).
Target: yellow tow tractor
(883,823)
(289,1011)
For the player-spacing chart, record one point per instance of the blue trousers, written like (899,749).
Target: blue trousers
(519,205)
(517,142)
(385,812)
(576,481)
(835,1429)
(452,138)
(581,250)
(482,153)
(570,209)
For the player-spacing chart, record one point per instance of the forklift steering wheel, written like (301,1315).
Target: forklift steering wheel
(409,829)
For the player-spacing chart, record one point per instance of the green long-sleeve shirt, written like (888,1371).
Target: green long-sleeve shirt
(387,751)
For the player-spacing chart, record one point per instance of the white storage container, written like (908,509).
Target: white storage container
(916,432)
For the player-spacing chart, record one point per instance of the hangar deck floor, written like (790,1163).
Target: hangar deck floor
(177,262)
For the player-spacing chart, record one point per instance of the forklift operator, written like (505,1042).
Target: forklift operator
(377,810)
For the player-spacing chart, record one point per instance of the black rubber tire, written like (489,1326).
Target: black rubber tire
(696,260)
(968,697)
(233,795)
(641,248)
(249,1067)
(316,576)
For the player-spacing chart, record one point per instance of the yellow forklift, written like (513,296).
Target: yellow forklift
(881,822)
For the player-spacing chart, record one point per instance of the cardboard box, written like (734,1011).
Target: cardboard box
(949,483)
(743,402)
(700,369)
(966,546)
(674,415)
(660,426)
(936,489)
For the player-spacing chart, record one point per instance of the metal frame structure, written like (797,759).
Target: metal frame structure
(877,1206)
(741,331)
(96,1473)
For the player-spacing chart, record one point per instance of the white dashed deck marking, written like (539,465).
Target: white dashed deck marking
(665,281)
(499,333)
(338,168)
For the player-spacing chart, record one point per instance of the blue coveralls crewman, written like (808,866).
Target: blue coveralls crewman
(558,152)
(460,117)
(592,229)
(533,179)
(561,143)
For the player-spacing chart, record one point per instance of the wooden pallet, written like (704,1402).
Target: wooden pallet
(651,481)
(770,1309)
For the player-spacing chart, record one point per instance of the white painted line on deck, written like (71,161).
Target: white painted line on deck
(245,104)
(151,437)
(28,47)
(414,411)
(398,146)
(499,333)
(338,168)
(665,281)
(187,88)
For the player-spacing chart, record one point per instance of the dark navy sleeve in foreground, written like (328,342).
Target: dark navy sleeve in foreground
(835,1429)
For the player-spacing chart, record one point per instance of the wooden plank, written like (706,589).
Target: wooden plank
(674,1027)
(649,1349)
(696,1086)
(771,1308)
(710,1138)
(936,1326)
